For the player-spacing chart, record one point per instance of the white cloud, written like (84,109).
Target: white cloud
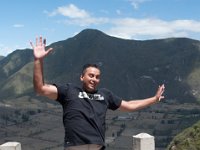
(189,25)
(104,11)
(136,3)
(87,21)
(70,11)
(18,25)
(145,28)
(77,16)
(152,28)
(118,12)
(4,50)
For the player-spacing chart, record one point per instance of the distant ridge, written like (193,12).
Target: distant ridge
(130,68)
(1,57)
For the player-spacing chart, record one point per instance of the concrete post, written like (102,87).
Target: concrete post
(10,146)
(143,141)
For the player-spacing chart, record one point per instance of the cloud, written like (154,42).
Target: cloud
(76,16)
(87,21)
(118,12)
(5,50)
(18,25)
(129,28)
(136,3)
(152,28)
(70,11)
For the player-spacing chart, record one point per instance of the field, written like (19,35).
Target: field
(37,125)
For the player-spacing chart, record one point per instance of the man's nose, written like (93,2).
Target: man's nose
(94,79)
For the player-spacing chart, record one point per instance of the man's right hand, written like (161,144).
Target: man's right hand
(40,87)
(39,48)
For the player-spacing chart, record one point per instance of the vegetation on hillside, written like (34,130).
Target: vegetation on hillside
(130,68)
(138,66)
(189,139)
(1,57)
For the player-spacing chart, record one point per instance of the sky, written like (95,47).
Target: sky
(24,20)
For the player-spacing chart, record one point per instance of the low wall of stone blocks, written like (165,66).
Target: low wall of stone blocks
(142,141)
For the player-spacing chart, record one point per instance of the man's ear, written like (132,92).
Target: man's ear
(81,77)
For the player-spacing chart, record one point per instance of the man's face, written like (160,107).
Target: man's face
(90,79)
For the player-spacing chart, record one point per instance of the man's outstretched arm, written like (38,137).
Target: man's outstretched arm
(133,105)
(40,87)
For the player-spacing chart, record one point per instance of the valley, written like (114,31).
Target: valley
(39,127)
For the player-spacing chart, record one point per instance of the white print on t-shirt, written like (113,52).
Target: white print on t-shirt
(98,97)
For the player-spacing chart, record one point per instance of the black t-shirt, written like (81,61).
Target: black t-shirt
(84,114)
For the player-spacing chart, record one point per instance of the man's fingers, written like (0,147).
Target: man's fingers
(161,89)
(44,42)
(161,97)
(49,50)
(36,41)
(41,42)
(31,44)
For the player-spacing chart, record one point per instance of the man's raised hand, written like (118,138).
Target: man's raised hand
(160,91)
(39,48)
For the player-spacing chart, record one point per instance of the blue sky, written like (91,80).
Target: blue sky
(23,20)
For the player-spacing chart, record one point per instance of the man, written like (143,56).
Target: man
(84,108)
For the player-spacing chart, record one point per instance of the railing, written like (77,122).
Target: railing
(11,146)
(142,141)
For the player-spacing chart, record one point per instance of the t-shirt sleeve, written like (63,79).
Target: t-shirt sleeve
(62,92)
(113,100)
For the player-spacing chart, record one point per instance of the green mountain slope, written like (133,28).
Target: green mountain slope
(131,68)
(189,139)
(15,78)
(1,57)
(137,66)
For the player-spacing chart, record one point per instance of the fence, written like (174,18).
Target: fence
(142,141)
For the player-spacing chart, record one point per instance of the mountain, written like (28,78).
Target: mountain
(130,68)
(16,74)
(1,57)
(188,139)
